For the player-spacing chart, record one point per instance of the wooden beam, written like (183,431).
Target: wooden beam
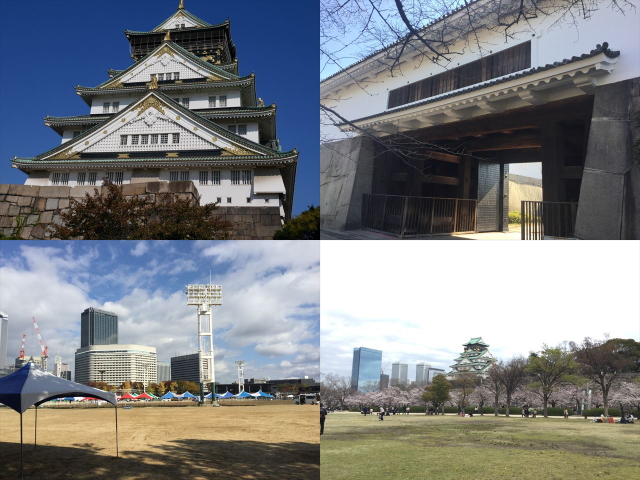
(443,157)
(441,180)
(503,142)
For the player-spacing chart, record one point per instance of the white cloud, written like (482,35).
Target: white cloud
(140,249)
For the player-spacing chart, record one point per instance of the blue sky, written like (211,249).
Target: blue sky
(269,317)
(55,45)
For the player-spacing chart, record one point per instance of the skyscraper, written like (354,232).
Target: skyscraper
(365,373)
(422,374)
(399,374)
(4,332)
(98,327)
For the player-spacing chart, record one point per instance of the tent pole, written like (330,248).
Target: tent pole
(35,435)
(117,453)
(21,462)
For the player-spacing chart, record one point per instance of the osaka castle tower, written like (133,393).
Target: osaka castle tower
(475,359)
(180,112)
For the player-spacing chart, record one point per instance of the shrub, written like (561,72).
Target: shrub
(614,412)
(514,217)
(305,226)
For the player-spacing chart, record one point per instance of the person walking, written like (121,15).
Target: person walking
(323,415)
(381,415)
(566,413)
(408,409)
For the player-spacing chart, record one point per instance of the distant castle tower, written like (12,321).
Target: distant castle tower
(475,359)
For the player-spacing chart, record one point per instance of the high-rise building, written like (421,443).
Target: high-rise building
(384,381)
(365,372)
(98,327)
(422,374)
(185,367)
(61,370)
(116,364)
(4,333)
(399,374)
(164,372)
(433,372)
(180,112)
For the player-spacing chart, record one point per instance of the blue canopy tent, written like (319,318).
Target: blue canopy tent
(226,394)
(168,395)
(188,394)
(242,395)
(31,385)
(261,394)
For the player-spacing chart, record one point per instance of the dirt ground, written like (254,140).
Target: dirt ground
(270,441)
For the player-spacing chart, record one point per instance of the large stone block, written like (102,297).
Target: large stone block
(182,187)
(25,234)
(266,231)
(40,204)
(38,232)
(157,187)
(599,214)
(52,203)
(81,191)
(4,208)
(6,222)
(54,192)
(46,217)
(25,201)
(631,209)
(608,147)
(134,189)
(11,199)
(25,210)
(26,190)
(32,219)
(64,203)
(14,210)
(612,100)
(4,188)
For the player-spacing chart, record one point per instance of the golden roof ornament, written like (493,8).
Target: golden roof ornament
(153,85)
(260,102)
(167,37)
(181,6)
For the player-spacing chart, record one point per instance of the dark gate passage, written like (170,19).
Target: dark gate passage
(416,216)
(548,219)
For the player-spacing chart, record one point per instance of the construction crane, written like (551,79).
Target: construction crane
(43,347)
(22,347)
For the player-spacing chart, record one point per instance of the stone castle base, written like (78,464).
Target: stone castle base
(27,211)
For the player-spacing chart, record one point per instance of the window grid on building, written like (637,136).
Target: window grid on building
(203,177)
(185,102)
(92,178)
(144,139)
(81,178)
(231,128)
(115,177)
(175,138)
(176,75)
(242,129)
(235,177)
(105,107)
(154,138)
(222,100)
(228,199)
(246,177)
(181,176)
(123,139)
(215,177)
(135,139)
(116,107)
(212,102)
(164,138)
(161,77)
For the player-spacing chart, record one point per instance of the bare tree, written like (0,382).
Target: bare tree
(335,389)
(511,375)
(494,384)
(464,385)
(601,362)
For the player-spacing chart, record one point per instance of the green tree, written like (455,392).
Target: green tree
(115,217)
(438,392)
(305,226)
(550,368)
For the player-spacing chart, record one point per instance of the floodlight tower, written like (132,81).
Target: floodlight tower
(240,366)
(204,297)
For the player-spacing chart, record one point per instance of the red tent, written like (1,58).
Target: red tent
(145,396)
(127,396)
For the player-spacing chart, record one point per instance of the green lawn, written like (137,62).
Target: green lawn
(451,447)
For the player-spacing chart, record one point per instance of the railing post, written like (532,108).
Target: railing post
(522,207)
(475,216)
(404,215)
(384,212)
(433,205)
(455,217)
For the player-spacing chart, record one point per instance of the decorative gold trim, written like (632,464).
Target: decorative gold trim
(215,78)
(165,49)
(178,117)
(64,155)
(114,85)
(172,154)
(105,132)
(178,82)
(86,143)
(167,37)
(181,6)
(195,129)
(148,103)
(123,155)
(153,84)
(123,120)
(231,150)
(214,139)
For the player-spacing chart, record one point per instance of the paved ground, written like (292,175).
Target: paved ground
(512,234)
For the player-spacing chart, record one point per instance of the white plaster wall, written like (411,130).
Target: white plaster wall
(548,44)
(252,129)
(196,100)
(67,134)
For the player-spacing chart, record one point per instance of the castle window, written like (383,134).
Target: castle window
(144,140)
(184,176)
(266,200)
(223,100)
(123,139)
(219,200)
(228,199)
(134,139)
(242,129)
(168,76)
(55,178)
(75,134)
(248,199)
(215,177)
(154,138)
(81,178)
(105,107)
(203,177)
(92,178)
(161,77)
(235,177)
(212,102)
(115,177)
(182,25)
(175,138)
(246,177)
(116,107)
(231,128)
(164,138)
(176,75)
(185,102)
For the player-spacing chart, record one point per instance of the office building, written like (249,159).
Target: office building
(399,374)
(98,327)
(164,372)
(365,372)
(433,372)
(62,370)
(422,374)
(116,364)
(384,381)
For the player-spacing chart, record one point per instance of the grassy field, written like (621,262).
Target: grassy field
(265,440)
(451,447)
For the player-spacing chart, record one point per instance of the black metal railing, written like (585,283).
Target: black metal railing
(540,220)
(415,216)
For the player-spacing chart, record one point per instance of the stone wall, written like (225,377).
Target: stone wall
(28,211)
(346,172)
(609,206)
